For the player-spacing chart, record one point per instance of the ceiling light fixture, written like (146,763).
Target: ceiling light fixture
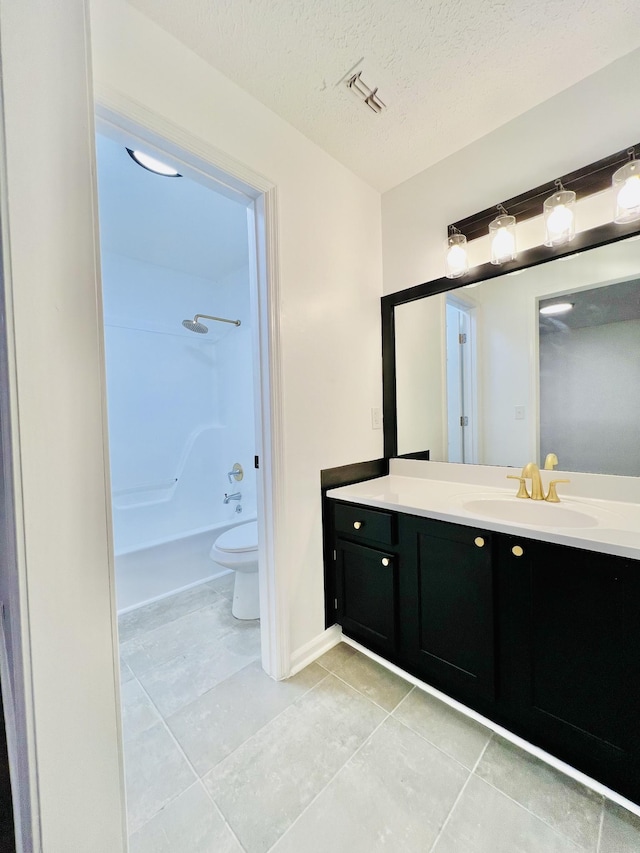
(556,308)
(152,164)
(502,231)
(456,258)
(559,217)
(626,186)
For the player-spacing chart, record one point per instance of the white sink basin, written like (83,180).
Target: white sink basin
(538,513)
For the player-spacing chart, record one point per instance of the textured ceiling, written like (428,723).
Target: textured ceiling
(598,306)
(449,71)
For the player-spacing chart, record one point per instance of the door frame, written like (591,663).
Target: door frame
(117,115)
(469,366)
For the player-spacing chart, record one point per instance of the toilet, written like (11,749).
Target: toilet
(237,549)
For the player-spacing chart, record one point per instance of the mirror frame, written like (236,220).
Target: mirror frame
(583,241)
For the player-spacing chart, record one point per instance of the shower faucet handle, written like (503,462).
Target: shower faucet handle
(236,473)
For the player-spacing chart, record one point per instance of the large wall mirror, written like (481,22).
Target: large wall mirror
(543,358)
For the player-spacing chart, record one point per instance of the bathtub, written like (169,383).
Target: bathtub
(164,568)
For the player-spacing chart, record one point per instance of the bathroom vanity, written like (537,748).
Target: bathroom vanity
(526,612)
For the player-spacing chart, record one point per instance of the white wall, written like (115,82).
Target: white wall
(421,377)
(180,405)
(57,387)
(588,418)
(330,277)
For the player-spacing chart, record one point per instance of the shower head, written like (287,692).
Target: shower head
(194,326)
(200,328)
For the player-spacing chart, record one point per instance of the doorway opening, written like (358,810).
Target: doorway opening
(190,375)
(180,393)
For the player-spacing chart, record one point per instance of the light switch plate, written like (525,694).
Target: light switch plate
(519,413)
(376,417)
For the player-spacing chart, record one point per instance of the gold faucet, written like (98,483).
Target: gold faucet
(532,471)
(522,490)
(552,497)
(550,461)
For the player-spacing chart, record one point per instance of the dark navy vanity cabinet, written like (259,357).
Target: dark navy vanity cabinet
(541,638)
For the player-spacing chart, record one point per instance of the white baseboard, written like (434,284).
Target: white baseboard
(567,769)
(314,648)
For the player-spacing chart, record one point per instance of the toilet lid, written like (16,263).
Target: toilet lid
(244,537)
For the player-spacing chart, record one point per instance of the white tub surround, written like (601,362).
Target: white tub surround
(607,508)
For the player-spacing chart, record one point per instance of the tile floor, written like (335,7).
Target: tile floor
(345,756)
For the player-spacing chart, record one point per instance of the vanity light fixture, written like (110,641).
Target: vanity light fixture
(556,308)
(502,231)
(626,186)
(456,258)
(559,216)
(152,164)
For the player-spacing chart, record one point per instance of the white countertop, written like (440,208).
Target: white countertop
(609,526)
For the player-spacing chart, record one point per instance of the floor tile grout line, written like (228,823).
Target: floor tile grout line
(531,812)
(601,827)
(324,788)
(554,829)
(171,734)
(388,714)
(169,661)
(435,745)
(219,810)
(451,757)
(364,695)
(402,722)
(198,778)
(219,598)
(262,727)
(460,793)
(219,595)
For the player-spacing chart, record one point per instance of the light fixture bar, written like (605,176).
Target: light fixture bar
(586,181)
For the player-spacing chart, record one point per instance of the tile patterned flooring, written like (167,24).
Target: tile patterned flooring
(345,756)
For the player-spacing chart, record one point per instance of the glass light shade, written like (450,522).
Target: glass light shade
(152,164)
(502,232)
(559,218)
(626,188)
(457,260)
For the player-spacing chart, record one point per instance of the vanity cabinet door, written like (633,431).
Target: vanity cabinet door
(366,597)
(570,659)
(447,605)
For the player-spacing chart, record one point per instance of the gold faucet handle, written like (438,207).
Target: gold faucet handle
(552,497)
(522,491)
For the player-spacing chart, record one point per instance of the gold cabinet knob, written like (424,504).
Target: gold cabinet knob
(479,541)
(385,561)
(517,551)
(357,525)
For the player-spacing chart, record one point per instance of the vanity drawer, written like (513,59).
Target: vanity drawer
(360,523)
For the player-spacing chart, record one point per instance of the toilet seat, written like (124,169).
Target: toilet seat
(239,539)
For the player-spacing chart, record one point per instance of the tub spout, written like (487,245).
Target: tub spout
(236,496)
